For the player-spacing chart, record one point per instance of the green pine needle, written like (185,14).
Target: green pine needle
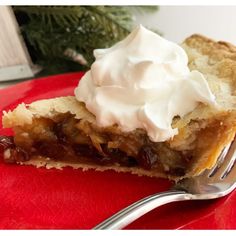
(52,30)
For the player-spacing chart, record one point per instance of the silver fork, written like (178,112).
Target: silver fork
(214,183)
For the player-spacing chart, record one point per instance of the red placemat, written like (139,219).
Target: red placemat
(32,198)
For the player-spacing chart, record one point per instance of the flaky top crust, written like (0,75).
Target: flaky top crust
(212,48)
(218,58)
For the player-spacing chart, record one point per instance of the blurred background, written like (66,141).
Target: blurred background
(178,22)
(39,41)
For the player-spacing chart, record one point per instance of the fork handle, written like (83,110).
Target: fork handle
(141,207)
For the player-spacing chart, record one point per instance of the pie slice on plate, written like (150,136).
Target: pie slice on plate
(61,132)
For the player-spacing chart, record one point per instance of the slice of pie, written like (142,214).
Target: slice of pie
(61,132)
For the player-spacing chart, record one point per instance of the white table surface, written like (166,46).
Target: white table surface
(9,83)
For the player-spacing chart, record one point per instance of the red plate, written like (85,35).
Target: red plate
(32,198)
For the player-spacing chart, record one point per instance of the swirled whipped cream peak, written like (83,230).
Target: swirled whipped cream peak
(142,82)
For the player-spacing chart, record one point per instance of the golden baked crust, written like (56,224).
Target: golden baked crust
(206,46)
(217,61)
(48,108)
(205,131)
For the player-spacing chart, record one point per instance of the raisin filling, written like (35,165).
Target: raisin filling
(12,153)
(73,141)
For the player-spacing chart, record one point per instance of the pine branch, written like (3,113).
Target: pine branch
(70,15)
(61,15)
(51,31)
(120,21)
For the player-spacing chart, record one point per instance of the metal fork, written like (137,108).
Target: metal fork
(214,183)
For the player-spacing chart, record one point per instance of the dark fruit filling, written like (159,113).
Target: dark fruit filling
(71,141)
(12,153)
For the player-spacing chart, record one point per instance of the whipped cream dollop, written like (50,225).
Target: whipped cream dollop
(142,82)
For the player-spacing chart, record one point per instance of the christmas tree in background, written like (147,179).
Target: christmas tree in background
(62,38)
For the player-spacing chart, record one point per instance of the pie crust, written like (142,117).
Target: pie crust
(67,124)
